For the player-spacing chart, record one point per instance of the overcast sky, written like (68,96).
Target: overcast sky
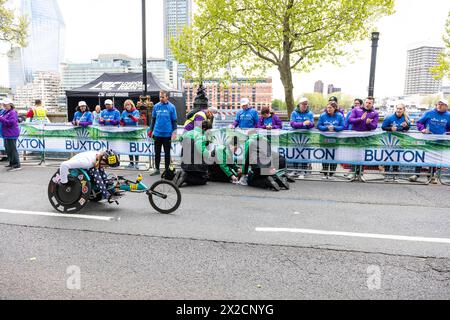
(114,26)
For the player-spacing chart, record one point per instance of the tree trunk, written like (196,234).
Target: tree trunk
(286,80)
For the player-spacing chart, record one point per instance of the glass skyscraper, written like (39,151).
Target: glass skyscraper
(45,43)
(177,14)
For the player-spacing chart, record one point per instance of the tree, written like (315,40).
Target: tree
(430,100)
(13,29)
(292,35)
(278,104)
(443,67)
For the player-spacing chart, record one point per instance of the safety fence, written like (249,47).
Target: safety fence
(377,152)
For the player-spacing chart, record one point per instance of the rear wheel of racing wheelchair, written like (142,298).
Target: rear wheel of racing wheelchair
(73,196)
(164,196)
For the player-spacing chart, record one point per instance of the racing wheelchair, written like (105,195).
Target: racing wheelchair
(163,195)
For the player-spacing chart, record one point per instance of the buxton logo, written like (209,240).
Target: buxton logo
(83,133)
(391,141)
(23,131)
(301,140)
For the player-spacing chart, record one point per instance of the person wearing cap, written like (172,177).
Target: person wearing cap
(109,116)
(38,113)
(436,121)
(199,117)
(130,118)
(269,120)
(163,129)
(10,130)
(247,117)
(302,119)
(83,117)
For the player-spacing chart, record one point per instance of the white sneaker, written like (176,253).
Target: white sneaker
(413,178)
(434,180)
(351,176)
(300,177)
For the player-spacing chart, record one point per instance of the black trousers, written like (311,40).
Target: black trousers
(136,159)
(159,143)
(216,174)
(11,151)
(329,168)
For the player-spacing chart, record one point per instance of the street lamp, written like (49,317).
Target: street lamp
(373,63)
(144,51)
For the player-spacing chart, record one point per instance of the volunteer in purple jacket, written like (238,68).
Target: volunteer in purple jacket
(109,116)
(330,121)
(436,121)
(83,117)
(11,132)
(269,120)
(362,119)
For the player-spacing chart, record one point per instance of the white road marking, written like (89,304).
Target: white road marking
(358,235)
(60,215)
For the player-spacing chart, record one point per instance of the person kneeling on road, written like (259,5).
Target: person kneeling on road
(224,168)
(94,162)
(261,167)
(194,170)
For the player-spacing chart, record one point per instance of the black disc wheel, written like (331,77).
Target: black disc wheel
(164,196)
(70,197)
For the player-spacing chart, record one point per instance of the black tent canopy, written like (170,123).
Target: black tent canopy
(120,87)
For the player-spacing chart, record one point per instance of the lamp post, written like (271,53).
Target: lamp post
(144,51)
(373,63)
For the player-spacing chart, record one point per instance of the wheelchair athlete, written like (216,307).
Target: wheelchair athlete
(94,162)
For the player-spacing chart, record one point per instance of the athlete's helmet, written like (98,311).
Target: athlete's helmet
(111,158)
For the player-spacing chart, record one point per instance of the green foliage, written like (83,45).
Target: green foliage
(442,69)
(13,29)
(292,35)
(278,104)
(430,100)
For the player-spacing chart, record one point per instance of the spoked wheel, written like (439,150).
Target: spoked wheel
(164,196)
(69,198)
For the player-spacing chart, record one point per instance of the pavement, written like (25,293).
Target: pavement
(318,240)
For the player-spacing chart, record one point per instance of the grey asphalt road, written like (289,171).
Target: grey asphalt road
(211,247)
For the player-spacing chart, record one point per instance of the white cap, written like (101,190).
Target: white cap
(303,99)
(245,102)
(7,101)
(213,109)
(82,103)
(108,101)
(444,101)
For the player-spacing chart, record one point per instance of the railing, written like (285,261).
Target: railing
(362,153)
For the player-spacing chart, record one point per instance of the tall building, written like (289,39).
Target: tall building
(74,75)
(332,89)
(45,86)
(258,91)
(45,43)
(318,86)
(176,15)
(419,79)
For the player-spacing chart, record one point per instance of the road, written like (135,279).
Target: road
(318,240)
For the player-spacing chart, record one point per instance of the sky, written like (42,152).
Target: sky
(114,26)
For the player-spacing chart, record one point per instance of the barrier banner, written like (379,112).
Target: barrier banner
(300,146)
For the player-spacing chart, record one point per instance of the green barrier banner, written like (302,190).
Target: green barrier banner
(351,147)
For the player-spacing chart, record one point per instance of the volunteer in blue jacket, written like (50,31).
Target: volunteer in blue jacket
(247,117)
(302,118)
(163,129)
(397,122)
(83,117)
(331,121)
(130,117)
(436,121)
(109,116)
